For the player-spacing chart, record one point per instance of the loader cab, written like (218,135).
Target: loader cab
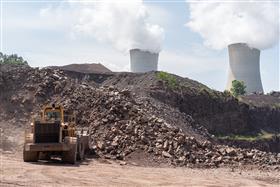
(53,113)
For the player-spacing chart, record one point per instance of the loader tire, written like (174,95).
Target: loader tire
(71,155)
(30,156)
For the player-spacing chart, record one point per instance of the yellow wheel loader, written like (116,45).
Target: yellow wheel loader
(55,134)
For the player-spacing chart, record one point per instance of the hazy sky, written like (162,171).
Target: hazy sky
(43,32)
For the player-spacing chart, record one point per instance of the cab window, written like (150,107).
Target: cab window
(55,115)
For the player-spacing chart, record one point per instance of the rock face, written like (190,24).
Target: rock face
(218,112)
(215,114)
(265,118)
(122,121)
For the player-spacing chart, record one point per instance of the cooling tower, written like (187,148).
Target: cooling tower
(143,61)
(244,65)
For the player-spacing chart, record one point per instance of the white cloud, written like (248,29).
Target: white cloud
(223,23)
(122,25)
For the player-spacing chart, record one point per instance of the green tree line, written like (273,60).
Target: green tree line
(12,59)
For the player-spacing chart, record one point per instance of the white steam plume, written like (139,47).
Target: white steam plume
(223,23)
(123,24)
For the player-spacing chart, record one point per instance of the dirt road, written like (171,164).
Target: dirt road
(14,172)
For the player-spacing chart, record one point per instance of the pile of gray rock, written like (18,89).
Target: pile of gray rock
(120,126)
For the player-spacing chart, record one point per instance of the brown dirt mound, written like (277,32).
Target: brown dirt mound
(84,68)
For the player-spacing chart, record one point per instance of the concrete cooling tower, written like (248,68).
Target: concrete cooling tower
(143,61)
(244,65)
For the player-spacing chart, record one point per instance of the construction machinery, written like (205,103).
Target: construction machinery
(55,134)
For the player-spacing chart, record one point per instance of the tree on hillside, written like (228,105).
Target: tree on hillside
(238,88)
(12,59)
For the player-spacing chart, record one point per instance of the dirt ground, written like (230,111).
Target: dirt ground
(92,172)
(96,172)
